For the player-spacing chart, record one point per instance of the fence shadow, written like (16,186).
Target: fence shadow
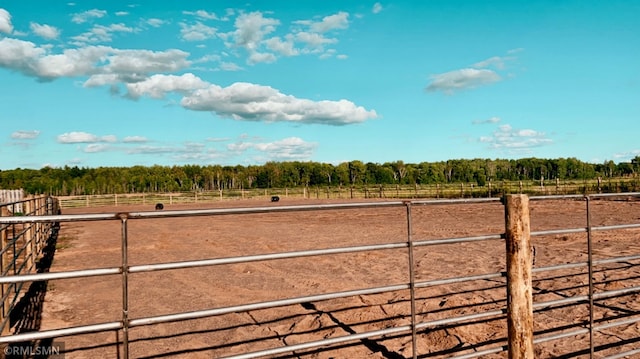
(27,313)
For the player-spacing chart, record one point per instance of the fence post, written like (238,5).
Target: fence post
(28,235)
(519,287)
(5,259)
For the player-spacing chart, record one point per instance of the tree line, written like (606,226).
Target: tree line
(107,180)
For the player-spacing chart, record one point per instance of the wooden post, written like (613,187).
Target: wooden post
(519,288)
(5,259)
(28,236)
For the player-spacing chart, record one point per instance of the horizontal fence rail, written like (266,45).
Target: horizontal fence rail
(44,217)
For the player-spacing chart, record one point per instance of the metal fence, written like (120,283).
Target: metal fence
(22,245)
(45,220)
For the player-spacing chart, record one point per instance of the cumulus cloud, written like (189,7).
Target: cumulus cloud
(450,82)
(377,7)
(84,137)
(250,102)
(284,47)
(100,33)
(197,32)
(515,140)
(203,14)
(5,21)
(331,22)
(45,31)
(157,86)
(101,61)
(25,135)
(83,17)
(251,29)
(155,22)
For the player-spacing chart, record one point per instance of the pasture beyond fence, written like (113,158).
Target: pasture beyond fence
(21,234)
(438,191)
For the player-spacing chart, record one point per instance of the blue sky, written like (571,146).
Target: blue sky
(118,83)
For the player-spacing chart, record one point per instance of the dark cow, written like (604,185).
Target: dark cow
(159,206)
(275,198)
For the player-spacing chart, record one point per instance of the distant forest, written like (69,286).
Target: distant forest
(136,179)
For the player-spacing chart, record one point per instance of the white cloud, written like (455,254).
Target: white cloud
(261,57)
(84,137)
(288,149)
(283,47)
(377,7)
(134,139)
(515,140)
(467,78)
(488,121)
(495,61)
(250,102)
(25,135)
(197,32)
(331,22)
(97,147)
(100,33)
(462,79)
(251,29)
(45,31)
(20,55)
(155,22)
(146,61)
(5,21)
(230,66)
(157,86)
(151,150)
(314,40)
(100,61)
(626,156)
(122,13)
(71,63)
(202,14)
(83,17)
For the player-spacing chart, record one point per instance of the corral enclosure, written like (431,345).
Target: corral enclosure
(458,268)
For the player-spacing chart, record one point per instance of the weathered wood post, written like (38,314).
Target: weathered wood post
(519,291)
(5,259)
(29,237)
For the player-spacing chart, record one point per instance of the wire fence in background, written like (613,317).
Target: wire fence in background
(437,191)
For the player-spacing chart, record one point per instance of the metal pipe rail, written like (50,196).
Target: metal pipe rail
(125,269)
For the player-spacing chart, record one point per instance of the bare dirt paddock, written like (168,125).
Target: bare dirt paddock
(83,301)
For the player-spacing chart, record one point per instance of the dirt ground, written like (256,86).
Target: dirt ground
(82,245)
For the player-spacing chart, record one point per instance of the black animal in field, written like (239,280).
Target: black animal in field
(275,198)
(159,206)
